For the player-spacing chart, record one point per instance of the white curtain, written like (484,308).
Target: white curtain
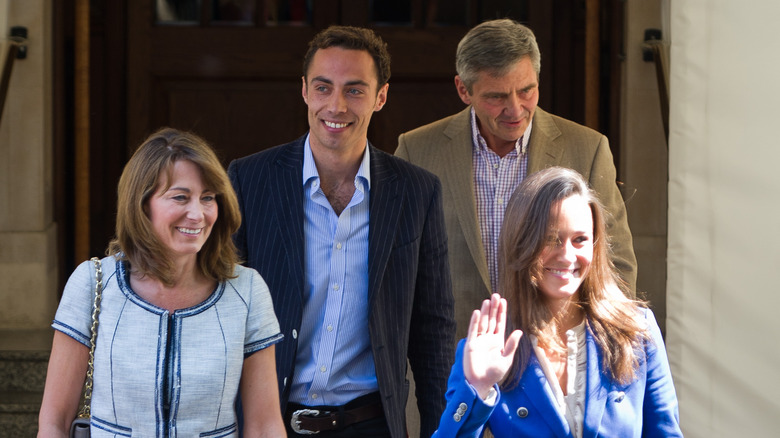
(723,330)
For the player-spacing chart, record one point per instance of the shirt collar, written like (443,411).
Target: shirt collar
(521,146)
(310,167)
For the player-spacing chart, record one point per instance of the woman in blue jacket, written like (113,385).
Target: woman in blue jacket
(582,360)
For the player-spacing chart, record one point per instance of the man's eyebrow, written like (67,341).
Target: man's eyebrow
(495,93)
(330,82)
(321,79)
(358,82)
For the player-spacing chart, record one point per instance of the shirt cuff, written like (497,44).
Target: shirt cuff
(491,398)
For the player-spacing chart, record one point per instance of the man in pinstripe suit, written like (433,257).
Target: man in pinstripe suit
(352,244)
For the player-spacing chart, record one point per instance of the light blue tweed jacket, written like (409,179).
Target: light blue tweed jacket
(160,373)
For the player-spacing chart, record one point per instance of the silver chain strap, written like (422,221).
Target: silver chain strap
(85,410)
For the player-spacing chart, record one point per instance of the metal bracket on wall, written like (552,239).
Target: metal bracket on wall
(19,38)
(16,50)
(653,51)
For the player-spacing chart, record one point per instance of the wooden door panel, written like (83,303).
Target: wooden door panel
(228,52)
(411,104)
(237,117)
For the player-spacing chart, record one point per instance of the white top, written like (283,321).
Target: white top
(571,405)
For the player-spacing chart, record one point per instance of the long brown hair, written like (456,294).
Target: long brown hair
(611,316)
(136,241)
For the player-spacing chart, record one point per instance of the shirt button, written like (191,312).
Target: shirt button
(335,287)
(295,334)
(495,166)
(330,328)
(314,396)
(338,245)
(322,369)
(500,201)
(522,412)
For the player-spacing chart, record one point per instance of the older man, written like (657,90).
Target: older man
(483,153)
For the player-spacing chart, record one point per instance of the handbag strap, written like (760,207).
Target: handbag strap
(85,410)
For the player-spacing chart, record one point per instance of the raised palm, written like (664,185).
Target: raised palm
(486,356)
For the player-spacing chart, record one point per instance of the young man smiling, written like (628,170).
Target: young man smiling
(351,242)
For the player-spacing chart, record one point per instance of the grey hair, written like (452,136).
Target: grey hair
(494,47)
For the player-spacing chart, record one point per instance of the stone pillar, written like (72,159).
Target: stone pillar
(644,156)
(28,265)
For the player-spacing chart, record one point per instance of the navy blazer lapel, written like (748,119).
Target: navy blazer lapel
(597,389)
(287,183)
(534,384)
(384,212)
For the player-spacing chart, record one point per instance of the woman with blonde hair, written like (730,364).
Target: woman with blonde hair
(582,359)
(181,325)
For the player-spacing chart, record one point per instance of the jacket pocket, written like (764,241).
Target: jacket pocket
(221,432)
(102,427)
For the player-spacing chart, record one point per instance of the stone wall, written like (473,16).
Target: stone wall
(28,266)
(644,156)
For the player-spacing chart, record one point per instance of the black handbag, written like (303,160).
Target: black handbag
(79,428)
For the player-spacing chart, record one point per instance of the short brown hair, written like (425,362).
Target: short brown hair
(494,47)
(352,38)
(136,241)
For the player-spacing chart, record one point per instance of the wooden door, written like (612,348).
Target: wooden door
(230,71)
(237,81)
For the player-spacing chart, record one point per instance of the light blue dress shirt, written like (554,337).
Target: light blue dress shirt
(334,362)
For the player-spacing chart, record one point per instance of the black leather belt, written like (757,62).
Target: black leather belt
(309,420)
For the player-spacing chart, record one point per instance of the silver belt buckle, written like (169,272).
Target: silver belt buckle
(296,424)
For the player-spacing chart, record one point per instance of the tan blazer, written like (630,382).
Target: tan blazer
(444,147)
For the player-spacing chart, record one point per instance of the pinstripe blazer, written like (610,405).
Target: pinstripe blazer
(444,147)
(410,297)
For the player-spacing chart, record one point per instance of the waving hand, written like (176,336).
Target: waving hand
(486,356)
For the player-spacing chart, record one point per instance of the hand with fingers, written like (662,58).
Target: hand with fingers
(486,355)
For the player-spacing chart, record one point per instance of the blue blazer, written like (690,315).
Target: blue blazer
(646,407)
(409,281)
